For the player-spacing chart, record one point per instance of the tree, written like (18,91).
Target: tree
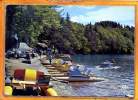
(35,24)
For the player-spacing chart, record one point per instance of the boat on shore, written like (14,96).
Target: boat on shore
(61,65)
(66,58)
(59,70)
(29,82)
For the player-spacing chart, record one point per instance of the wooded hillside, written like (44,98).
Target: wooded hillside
(35,24)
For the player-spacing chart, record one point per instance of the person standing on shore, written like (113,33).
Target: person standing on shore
(49,53)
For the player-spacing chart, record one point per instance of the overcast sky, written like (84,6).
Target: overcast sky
(85,14)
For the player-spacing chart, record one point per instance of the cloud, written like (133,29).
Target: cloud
(122,14)
(78,7)
(74,10)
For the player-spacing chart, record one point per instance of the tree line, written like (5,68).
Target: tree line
(35,24)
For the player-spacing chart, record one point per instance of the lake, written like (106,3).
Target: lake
(120,77)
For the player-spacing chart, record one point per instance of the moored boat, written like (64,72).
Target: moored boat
(29,82)
(61,65)
(80,79)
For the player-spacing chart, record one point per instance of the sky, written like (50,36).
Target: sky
(125,15)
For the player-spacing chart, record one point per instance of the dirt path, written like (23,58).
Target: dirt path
(12,64)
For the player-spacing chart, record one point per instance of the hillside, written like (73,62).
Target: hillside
(35,24)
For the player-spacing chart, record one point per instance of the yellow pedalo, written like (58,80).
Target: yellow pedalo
(51,92)
(8,90)
(30,77)
(58,63)
(64,67)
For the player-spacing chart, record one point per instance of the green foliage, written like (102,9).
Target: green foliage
(35,24)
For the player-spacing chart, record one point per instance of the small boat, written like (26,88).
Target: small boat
(59,75)
(61,65)
(106,64)
(80,79)
(28,82)
(76,75)
(67,58)
(46,62)
(50,67)
(53,70)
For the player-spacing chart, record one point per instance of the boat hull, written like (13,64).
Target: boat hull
(80,79)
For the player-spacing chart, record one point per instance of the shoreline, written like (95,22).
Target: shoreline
(62,89)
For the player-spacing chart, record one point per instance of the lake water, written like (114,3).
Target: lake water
(120,77)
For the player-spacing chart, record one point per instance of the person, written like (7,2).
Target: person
(53,50)
(50,59)
(28,57)
(56,51)
(49,53)
(39,52)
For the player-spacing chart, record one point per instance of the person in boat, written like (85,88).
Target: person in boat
(106,63)
(87,72)
(74,71)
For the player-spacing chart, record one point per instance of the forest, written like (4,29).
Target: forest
(44,24)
